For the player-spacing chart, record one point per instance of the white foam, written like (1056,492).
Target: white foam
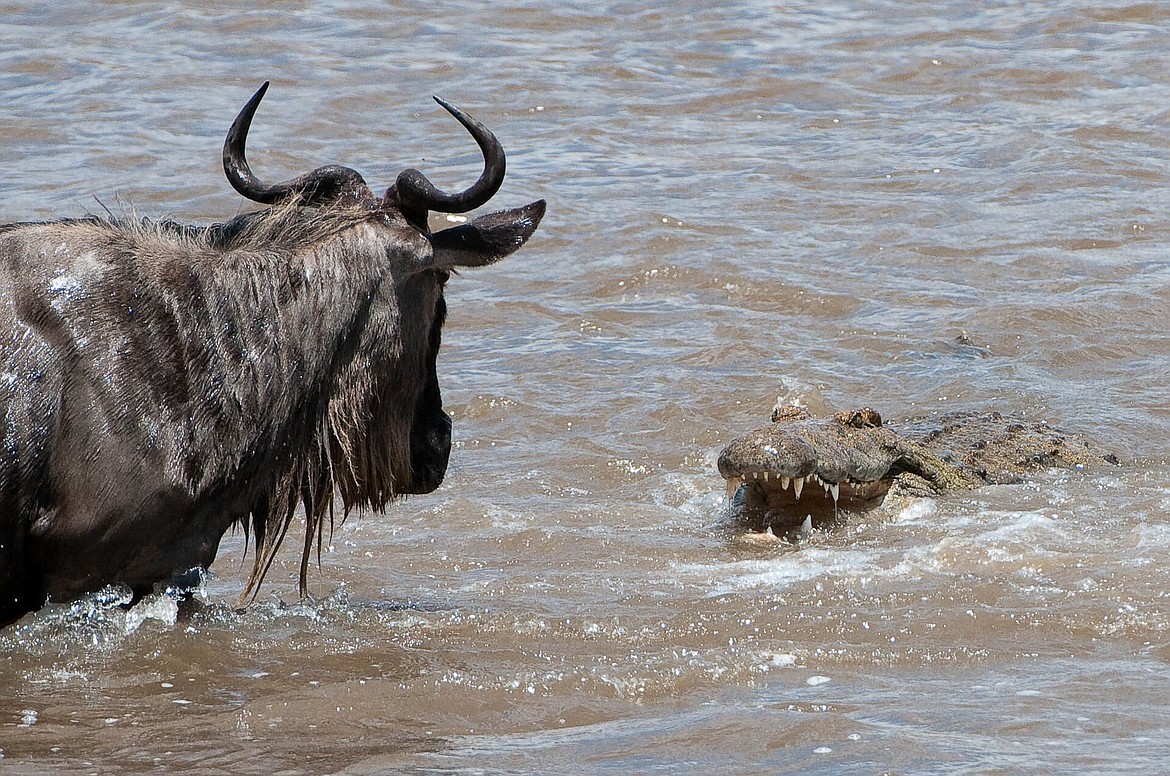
(164,608)
(1153,536)
(809,563)
(919,510)
(948,541)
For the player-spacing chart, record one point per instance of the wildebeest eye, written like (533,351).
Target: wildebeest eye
(443,276)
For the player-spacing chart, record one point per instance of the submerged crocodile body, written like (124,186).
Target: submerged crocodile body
(858,461)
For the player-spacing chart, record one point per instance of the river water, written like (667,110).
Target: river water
(746,200)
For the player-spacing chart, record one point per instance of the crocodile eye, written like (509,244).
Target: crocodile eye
(866,417)
(788,412)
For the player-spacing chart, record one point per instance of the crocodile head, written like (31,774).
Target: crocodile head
(800,466)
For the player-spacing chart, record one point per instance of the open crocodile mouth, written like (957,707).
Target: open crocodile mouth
(780,490)
(763,498)
(799,468)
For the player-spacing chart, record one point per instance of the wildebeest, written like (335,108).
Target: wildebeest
(160,382)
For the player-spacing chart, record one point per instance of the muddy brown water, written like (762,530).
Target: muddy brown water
(811,200)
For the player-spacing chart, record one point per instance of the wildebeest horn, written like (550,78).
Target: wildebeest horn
(416,193)
(328,183)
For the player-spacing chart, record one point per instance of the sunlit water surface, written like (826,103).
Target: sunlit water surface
(747,200)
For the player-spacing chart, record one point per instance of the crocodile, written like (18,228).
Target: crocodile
(860,463)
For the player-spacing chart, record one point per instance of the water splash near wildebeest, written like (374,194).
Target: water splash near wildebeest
(161,382)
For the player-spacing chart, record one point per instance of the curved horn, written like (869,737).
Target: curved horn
(327,183)
(417,193)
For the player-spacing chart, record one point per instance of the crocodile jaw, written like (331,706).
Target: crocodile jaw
(776,488)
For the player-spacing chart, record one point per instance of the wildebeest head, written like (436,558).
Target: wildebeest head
(385,433)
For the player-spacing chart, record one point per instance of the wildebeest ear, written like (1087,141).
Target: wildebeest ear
(487,238)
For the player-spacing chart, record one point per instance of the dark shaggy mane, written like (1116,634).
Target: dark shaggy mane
(282,228)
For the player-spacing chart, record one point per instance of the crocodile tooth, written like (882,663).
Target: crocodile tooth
(835,489)
(765,476)
(797,486)
(785,482)
(733,484)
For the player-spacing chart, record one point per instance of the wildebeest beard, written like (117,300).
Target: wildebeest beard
(161,382)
